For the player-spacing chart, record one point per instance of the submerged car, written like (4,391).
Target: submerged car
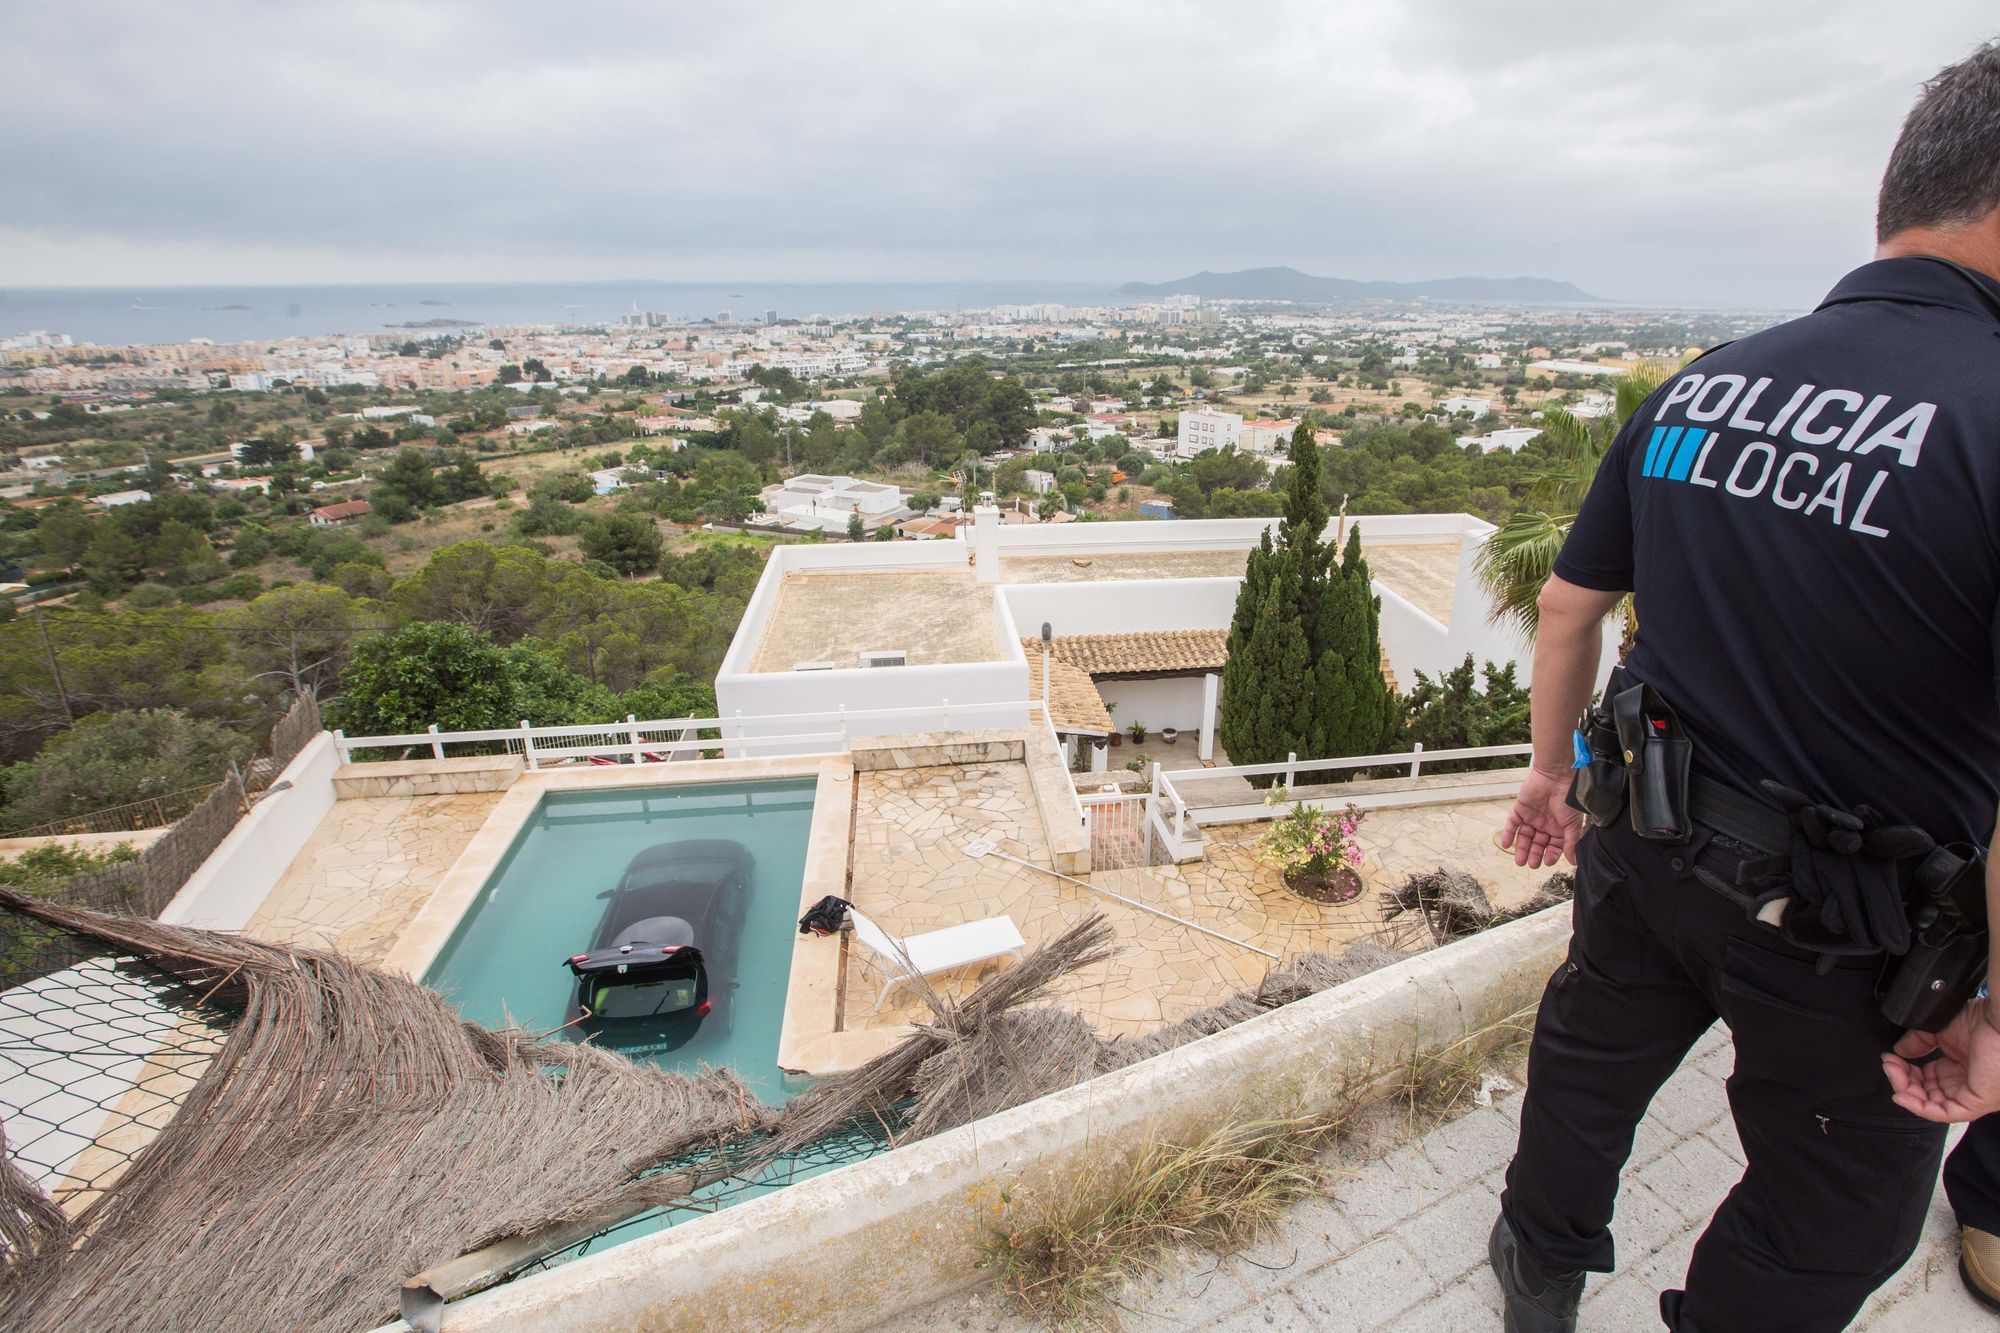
(665,949)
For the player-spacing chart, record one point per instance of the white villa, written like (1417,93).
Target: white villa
(814,501)
(1136,614)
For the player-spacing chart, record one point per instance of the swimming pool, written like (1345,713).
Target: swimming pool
(505,962)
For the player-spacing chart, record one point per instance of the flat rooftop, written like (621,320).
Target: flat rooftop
(934,617)
(946,616)
(1422,574)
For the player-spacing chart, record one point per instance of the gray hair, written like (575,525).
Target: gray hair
(1946,165)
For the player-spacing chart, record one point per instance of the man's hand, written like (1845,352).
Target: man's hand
(1963,1083)
(1541,828)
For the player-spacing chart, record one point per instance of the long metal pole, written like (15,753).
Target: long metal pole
(62,692)
(983,849)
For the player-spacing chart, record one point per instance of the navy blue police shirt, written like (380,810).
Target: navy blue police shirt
(1809,519)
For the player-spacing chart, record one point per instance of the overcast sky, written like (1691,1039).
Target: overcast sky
(1721,153)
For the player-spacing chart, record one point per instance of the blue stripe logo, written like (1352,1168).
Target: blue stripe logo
(1671,451)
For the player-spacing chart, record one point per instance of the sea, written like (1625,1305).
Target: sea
(122,316)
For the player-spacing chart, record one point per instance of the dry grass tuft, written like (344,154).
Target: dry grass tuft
(1439,1082)
(1066,1262)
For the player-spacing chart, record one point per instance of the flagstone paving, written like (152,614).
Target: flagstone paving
(367,869)
(911,873)
(1399,1240)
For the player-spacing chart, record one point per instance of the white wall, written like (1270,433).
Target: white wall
(1413,641)
(1172,702)
(1122,607)
(765,699)
(1187,534)
(229,887)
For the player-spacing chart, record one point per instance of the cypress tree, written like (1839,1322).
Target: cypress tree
(1358,714)
(1268,709)
(1256,581)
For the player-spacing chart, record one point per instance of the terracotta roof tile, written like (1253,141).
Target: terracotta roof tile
(1074,703)
(1153,651)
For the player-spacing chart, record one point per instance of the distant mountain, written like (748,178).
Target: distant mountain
(1288,284)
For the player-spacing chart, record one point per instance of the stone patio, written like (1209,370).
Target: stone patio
(911,873)
(366,870)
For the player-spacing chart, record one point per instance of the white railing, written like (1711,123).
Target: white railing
(662,740)
(1176,818)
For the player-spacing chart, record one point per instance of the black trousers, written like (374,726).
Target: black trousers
(1972,1176)
(1839,1177)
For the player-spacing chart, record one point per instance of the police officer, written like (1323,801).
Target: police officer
(1810,521)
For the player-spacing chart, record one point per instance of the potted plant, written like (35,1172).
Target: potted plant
(1168,735)
(1318,850)
(1138,730)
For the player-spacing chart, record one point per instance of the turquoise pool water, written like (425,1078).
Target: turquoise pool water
(505,962)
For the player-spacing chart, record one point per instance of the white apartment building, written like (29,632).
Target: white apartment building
(1208,429)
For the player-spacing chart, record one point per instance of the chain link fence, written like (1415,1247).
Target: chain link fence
(96,1054)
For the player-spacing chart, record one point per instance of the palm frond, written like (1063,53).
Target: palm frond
(1575,450)
(1633,389)
(1516,561)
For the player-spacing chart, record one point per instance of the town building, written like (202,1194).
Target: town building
(1205,429)
(340,515)
(812,502)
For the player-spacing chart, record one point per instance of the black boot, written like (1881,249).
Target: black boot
(1537,1302)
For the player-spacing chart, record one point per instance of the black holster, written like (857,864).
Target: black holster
(1946,962)
(1639,761)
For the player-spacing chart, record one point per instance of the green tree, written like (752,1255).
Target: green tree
(182,554)
(1456,711)
(297,636)
(432,671)
(114,561)
(408,478)
(63,534)
(1266,710)
(855,530)
(117,758)
(1344,705)
(1354,711)
(629,543)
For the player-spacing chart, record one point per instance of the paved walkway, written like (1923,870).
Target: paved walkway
(1401,1244)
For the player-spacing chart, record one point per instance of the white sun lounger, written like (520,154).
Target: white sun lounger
(936,951)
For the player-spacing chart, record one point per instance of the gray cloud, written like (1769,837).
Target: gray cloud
(1721,152)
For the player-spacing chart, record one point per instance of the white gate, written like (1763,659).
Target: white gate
(1121,838)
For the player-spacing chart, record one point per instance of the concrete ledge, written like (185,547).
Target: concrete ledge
(229,887)
(869,1241)
(931,749)
(1063,822)
(428,777)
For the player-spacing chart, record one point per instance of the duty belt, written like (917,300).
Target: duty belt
(1738,816)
